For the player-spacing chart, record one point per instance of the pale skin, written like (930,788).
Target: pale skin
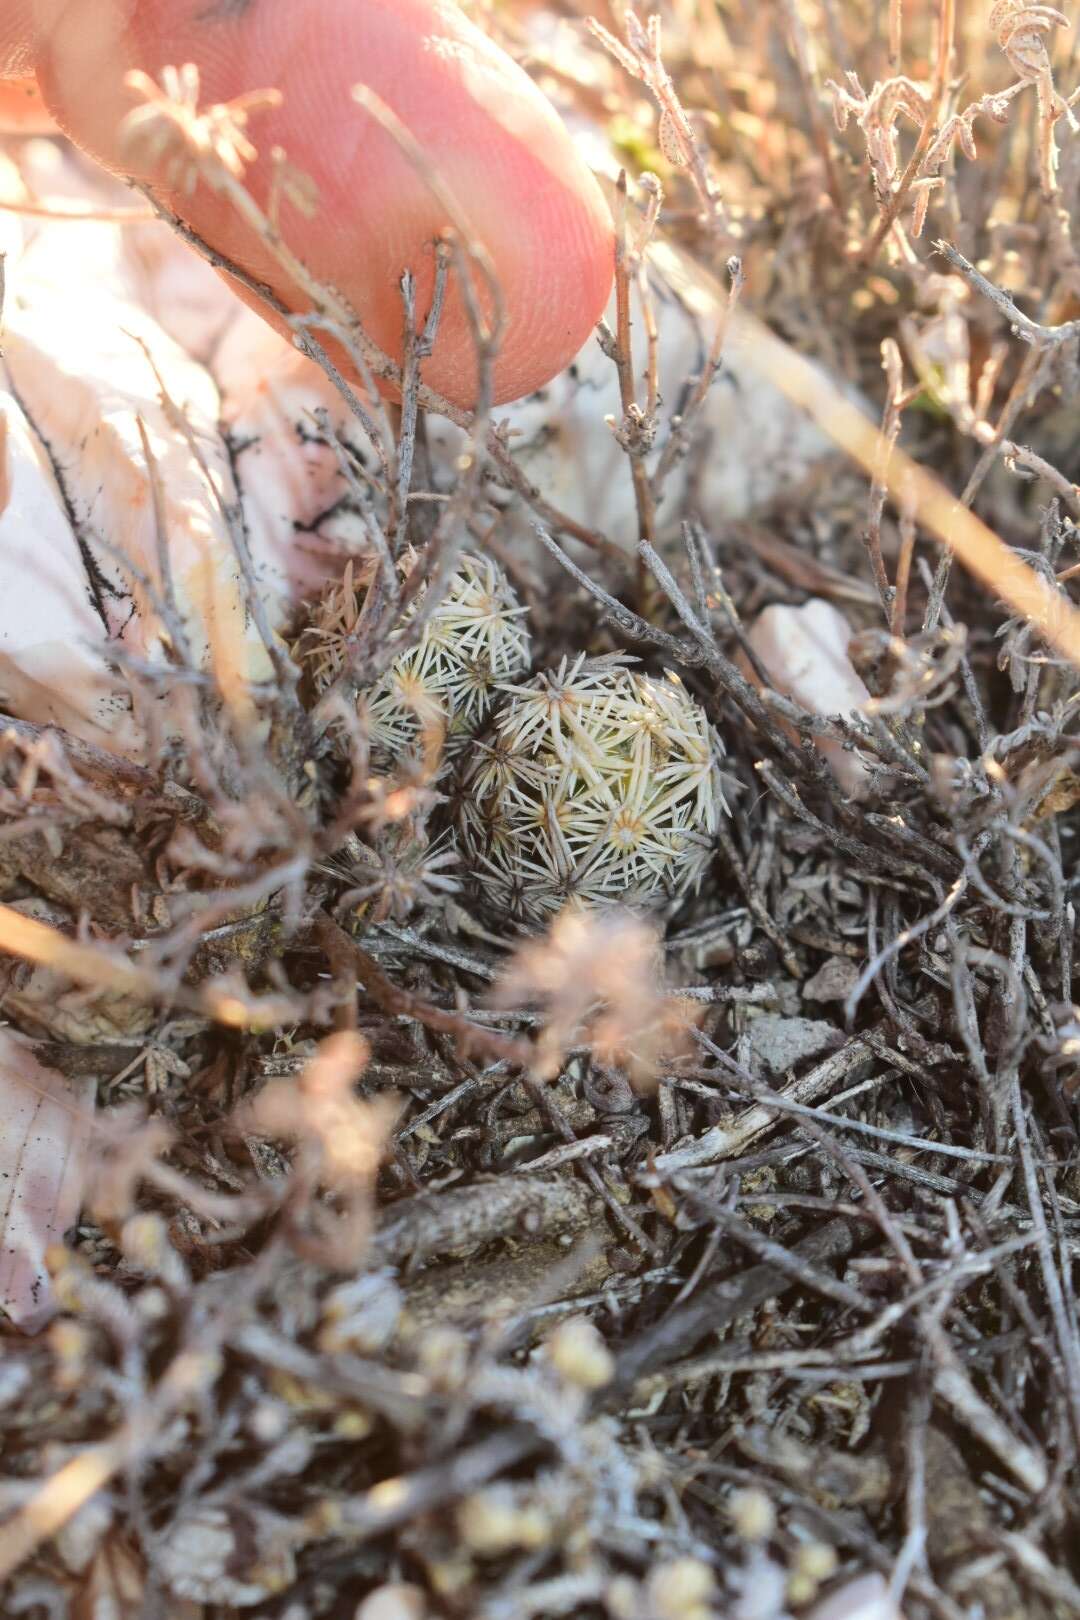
(494,140)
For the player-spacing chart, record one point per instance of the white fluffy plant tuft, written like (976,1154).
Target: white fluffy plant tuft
(596,785)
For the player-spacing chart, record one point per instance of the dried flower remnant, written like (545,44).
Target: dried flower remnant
(598,976)
(339,1139)
(324,643)
(596,784)
(320,1111)
(472,642)
(169,131)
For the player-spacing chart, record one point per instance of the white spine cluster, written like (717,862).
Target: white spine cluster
(472,643)
(595,784)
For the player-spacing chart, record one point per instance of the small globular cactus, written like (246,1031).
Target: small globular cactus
(443,683)
(595,784)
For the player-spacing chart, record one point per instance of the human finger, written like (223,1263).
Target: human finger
(497,145)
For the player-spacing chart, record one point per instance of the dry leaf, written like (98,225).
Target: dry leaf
(48,627)
(299,522)
(45,1128)
(109,426)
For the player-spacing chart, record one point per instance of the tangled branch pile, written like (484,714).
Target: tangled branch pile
(709,1259)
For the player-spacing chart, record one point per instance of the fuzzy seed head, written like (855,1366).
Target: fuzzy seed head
(595,784)
(579,1355)
(681,1590)
(815,1559)
(496,1521)
(753,1514)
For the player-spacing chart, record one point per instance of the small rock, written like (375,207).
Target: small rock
(865,1598)
(833,981)
(780,1043)
(200,1558)
(805,654)
(394,1602)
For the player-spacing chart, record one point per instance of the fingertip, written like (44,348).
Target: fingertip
(16,38)
(23,110)
(493,138)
